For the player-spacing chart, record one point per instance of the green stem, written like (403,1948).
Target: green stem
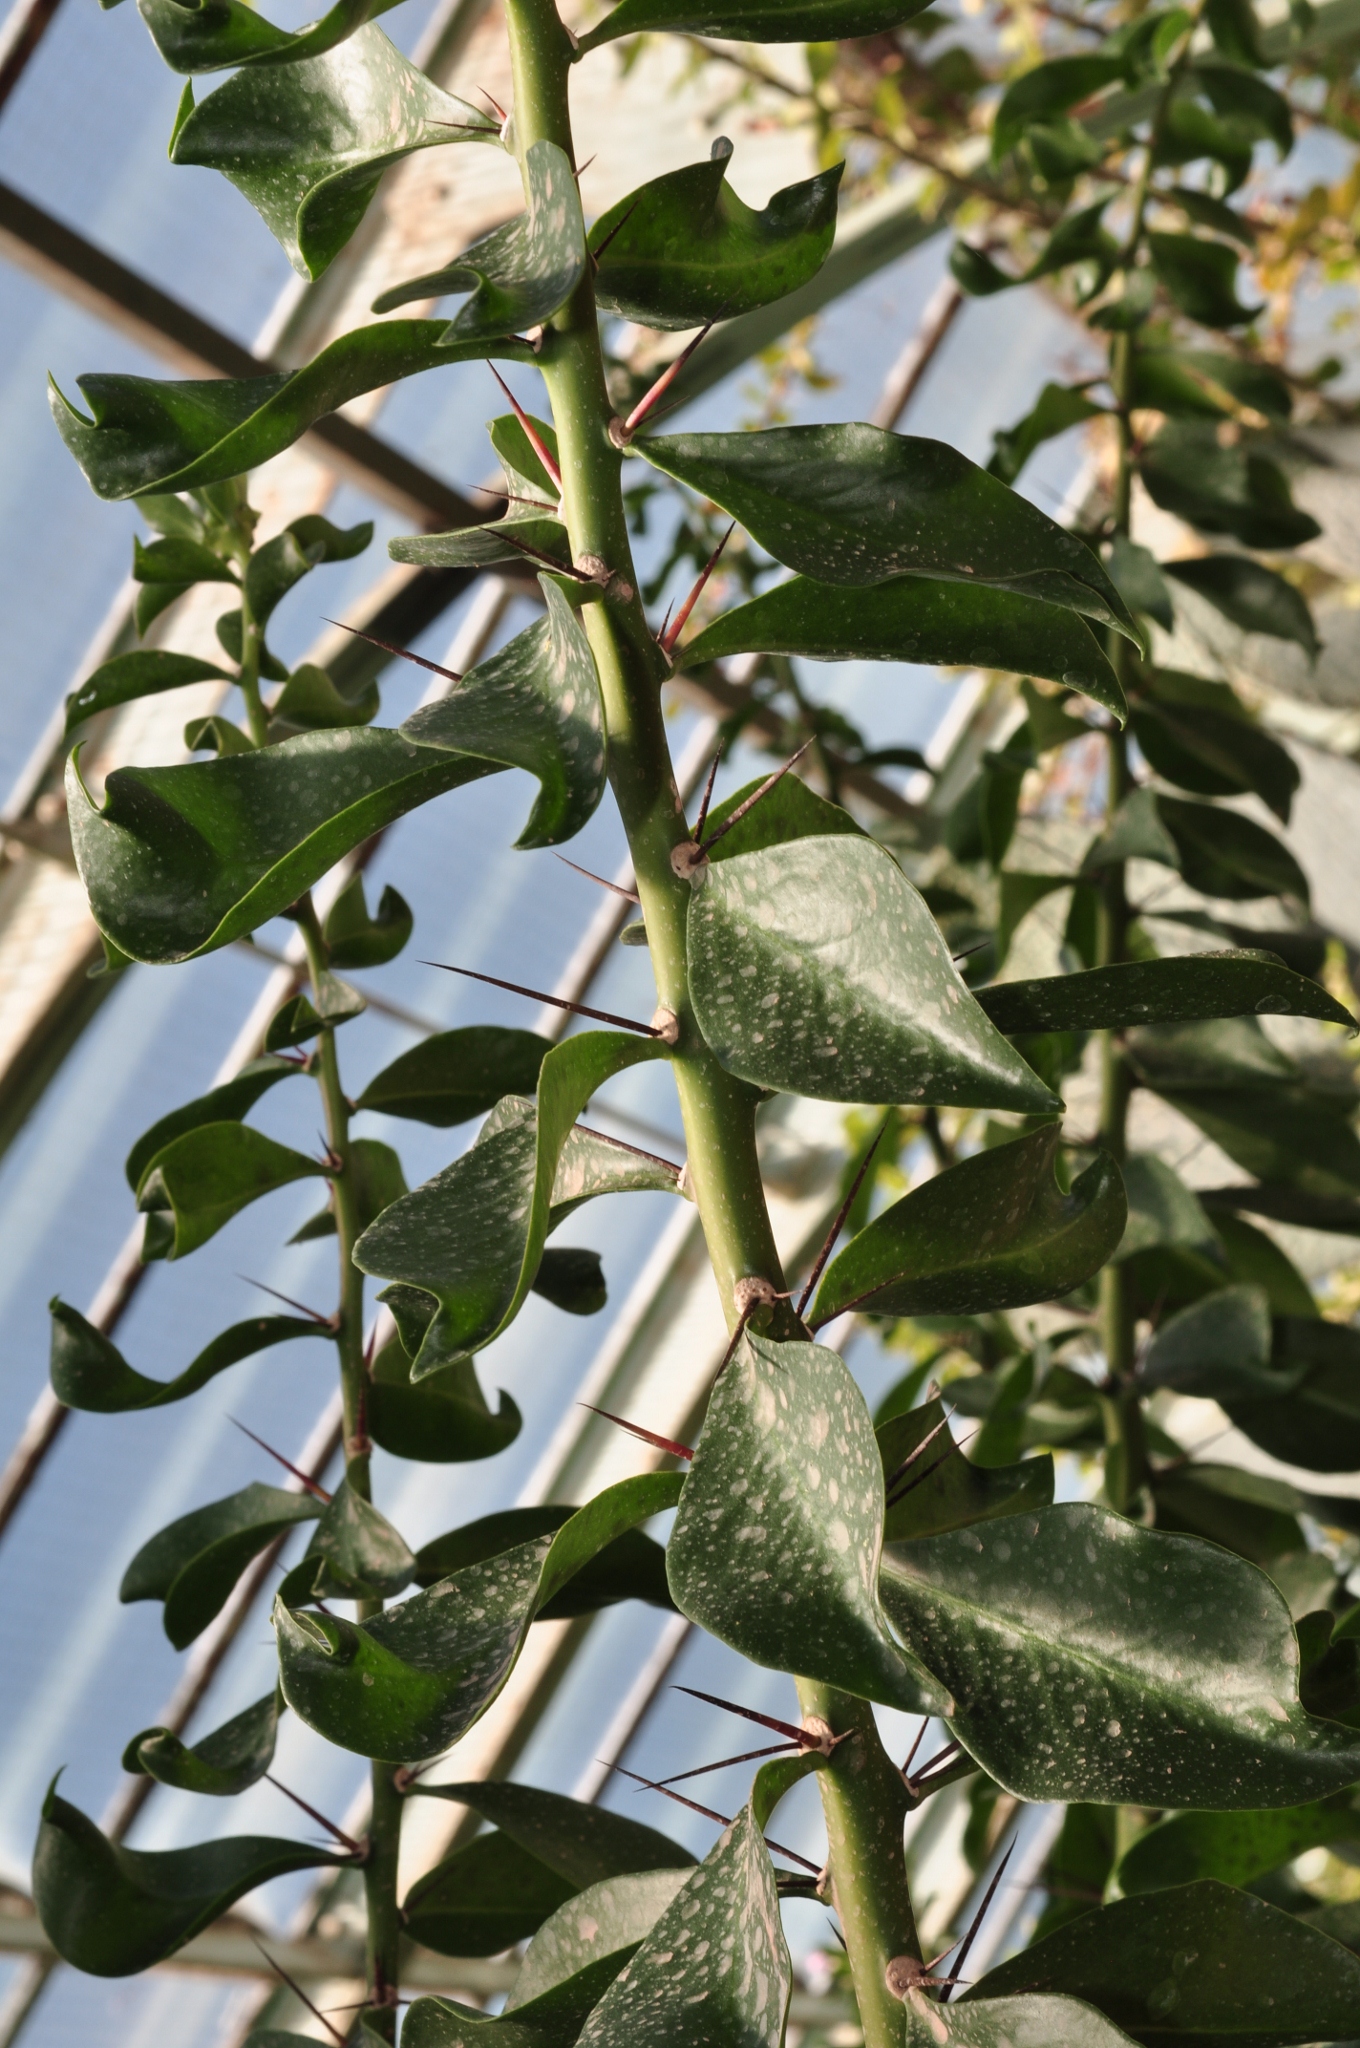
(252,648)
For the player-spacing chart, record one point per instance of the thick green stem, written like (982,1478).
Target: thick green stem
(252,648)
(380,1898)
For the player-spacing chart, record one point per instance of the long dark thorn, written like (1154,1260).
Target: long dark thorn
(536,995)
(981,1913)
(747,1757)
(742,1320)
(320,1818)
(390,647)
(666,621)
(920,1738)
(664,382)
(314,1315)
(677,625)
(648,1436)
(287,1463)
(913,1455)
(534,438)
(299,1993)
(920,1478)
(636,1150)
(524,547)
(838,1223)
(784,1728)
(941,1756)
(504,117)
(581,171)
(468,127)
(735,817)
(631,894)
(515,497)
(969,951)
(619,224)
(653,1785)
(712,778)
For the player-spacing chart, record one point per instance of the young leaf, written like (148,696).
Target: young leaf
(935,1488)
(91,1374)
(142,674)
(1093,1659)
(355,1553)
(685,249)
(113,1911)
(993,1232)
(1162,1209)
(234,1098)
(1250,596)
(458,1074)
(301,547)
(1047,90)
(1217,1348)
(171,867)
(193,36)
(775,1548)
(860,1000)
(1184,990)
(300,1018)
(1235,1848)
(221,1765)
(755,21)
(519,274)
(585,1844)
(853,505)
(306,143)
(535,705)
(310,702)
(1201,278)
(633,1567)
(193,1563)
(445,1420)
(354,939)
(486,1896)
(208,1175)
(1057,408)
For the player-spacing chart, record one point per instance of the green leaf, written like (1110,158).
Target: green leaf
(299,1019)
(940,1488)
(1314,1419)
(1201,279)
(1247,100)
(473,1236)
(1251,596)
(181,562)
(149,435)
(234,1098)
(853,505)
(215,736)
(1212,213)
(455,1075)
(790,811)
(520,459)
(1200,750)
(1162,1209)
(234,1757)
(1217,1348)
(1203,383)
(1184,990)
(1219,489)
(1027,2021)
(601,1929)
(685,249)
(572,1279)
(444,1421)
(535,705)
(377,1179)
(775,1548)
(90,1374)
(215,35)
(585,1844)
(633,1567)
(520,274)
(355,1553)
(1221,853)
(310,702)
(1047,90)
(207,1176)
(354,939)
(406,1685)
(1270,1979)
(193,1563)
(485,1897)
(113,1911)
(1057,408)
(1135,832)
(1253,1257)
(292,554)
(993,1232)
(914,619)
(307,143)
(1256,1517)
(1093,1659)
(476,547)
(144,673)
(181,860)
(1233,1847)
(755,21)
(861,1001)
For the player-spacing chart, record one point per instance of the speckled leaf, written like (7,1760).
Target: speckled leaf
(144,673)
(633,1567)
(602,1926)
(408,1684)
(214,35)
(993,1232)
(915,618)
(476,547)
(113,1911)
(519,274)
(209,1175)
(756,21)
(487,1895)
(182,860)
(194,1562)
(474,1235)
(355,1553)
(775,1548)
(1234,1847)
(535,705)
(1217,1348)
(1093,1659)
(1187,990)
(1198,1962)
(220,1765)
(90,1373)
(684,248)
(234,1098)
(941,1489)
(307,143)
(816,968)
(854,505)
(582,1842)
(1027,2021)
(458,1074)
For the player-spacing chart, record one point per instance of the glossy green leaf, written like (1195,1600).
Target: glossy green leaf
(1222,853)
(355,1554)
(113,1911)
(685,248)
(473,1236)
(310,702)
(486,1896)
(91,1374)
(756,21)
(301,1018)
(1140,581)
(1204,383)
(1233,1847)
(519,274)
(602,1927)
(215,736)
(1029,2020)
(1316,1368)
(220,1765)
(1219,489)
(790,811)
(534,705)
(584,1843)
(193,1563)
(854,505)
(633,1567)
(145,434)
(302,546)
(993,1232)
(775,1547)
(1201,278)
(306,143)
(572,1279)
(1047,90)
(408,1684)
(1197,749)
(524,470)
(1251,596)
(1057,408)
(1142,1962)
(354,938)
(941,1489)
(918,620)
(446,1420)
(181,860)
(860,1001)
(455,1075)
(1162,1209)
(1185,990)
(1215,1348)
(144,673)
(1256,1517)
(178,561)
(234,1098)
(215,35)
(207,1176)
(1093,1659)
(510,539)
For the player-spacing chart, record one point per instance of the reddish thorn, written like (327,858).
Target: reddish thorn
(298,1474)
(535,439)
(920,1478)
(495,103)
(390,647)
(712,776)
(748,1756)
(838,1224)
(664,381)
(636,1150)
(538,504)
(667,644)
(660,1443)
(742,1320)
(754,798)
(631,894)
(524,547)
(785,1728)
(913,1455)
(596,254)
(468,127)
(299,1993)
(981,1913)
(920,1738)
(311,1812)
(666,621)
(536,995)
(652,1785)
(313,1315)
(927,1769)
(579,174)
